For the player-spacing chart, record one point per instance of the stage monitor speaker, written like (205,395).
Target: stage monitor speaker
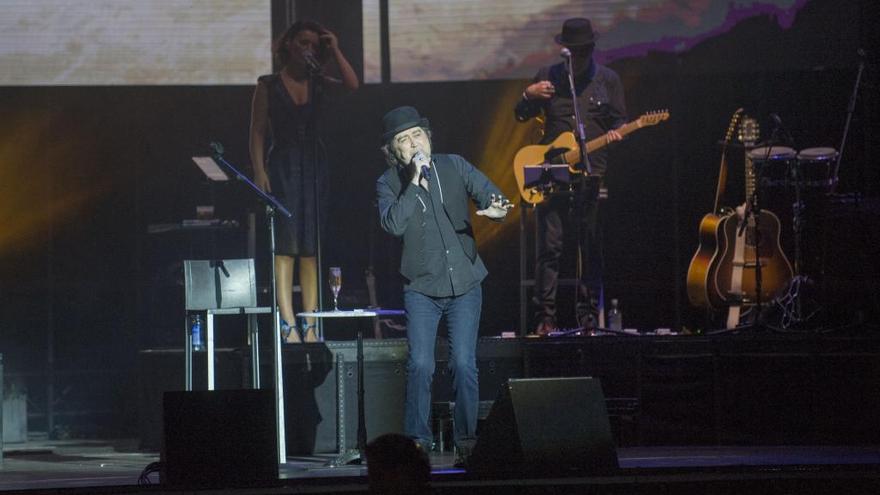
(545,427)
(219,438)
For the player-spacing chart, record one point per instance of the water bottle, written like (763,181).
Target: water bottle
(615,317)
(197,342)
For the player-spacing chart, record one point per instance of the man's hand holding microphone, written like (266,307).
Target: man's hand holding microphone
(421,168)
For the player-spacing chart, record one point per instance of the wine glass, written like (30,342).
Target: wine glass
(335,285)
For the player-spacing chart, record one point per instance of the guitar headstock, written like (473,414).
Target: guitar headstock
(749,131)
(734,120)
(653,118)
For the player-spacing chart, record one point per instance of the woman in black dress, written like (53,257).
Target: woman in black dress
(282,121)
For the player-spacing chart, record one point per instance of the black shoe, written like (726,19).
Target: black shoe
(462,457)
(545,327)
(587,322)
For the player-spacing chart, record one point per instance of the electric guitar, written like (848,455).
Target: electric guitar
(564,150)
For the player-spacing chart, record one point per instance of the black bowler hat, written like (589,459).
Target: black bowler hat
(576,32)
(401,119)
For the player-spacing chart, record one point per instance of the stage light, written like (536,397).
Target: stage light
(502,138)
(36,158)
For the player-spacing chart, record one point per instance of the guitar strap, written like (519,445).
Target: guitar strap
(736,278)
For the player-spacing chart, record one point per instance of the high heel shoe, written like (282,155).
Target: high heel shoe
(289,333)
(310,334)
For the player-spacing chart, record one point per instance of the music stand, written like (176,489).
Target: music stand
(272,207)
(210,168)
(545,174)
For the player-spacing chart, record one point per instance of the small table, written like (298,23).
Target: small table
(354,456)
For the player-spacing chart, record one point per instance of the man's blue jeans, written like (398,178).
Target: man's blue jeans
(423,314)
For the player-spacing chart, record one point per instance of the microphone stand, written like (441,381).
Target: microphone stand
(579,123)
(753,212)
(272,206)
(850,108)
(587,167)
(316,78)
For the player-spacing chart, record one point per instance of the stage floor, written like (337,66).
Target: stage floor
(78,465)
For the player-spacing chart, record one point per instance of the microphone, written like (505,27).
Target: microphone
(311,61)
(565,52)
(779,128)
(421,162)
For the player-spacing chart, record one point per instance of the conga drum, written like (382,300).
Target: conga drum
(814,169)
(773,165)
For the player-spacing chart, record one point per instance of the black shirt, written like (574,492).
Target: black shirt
(450,272)
(600,99)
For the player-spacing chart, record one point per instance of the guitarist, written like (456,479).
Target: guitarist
(601,103)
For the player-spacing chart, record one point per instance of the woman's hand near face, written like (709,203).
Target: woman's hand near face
(329,40)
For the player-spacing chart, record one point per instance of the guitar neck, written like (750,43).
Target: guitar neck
(573,156)
(750,175)
(748,134)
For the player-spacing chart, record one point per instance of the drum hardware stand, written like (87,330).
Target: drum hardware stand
(792,302)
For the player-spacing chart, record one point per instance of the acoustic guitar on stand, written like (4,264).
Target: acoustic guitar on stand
(723,272)
(564,150)
(701,288)
(750,245)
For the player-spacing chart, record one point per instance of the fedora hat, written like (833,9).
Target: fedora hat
(401,119)
(576,32)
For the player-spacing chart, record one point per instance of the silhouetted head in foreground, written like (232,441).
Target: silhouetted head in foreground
(396,465)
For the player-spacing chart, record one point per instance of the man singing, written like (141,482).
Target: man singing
(422,198)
